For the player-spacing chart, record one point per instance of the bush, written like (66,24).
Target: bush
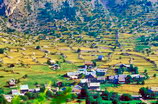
(24,98)
(126,97)
(1,50)
(49,94)
(2,100)
(154,75)
(38,47)
(1,91)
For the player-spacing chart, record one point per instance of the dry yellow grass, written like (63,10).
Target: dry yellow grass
(134,89)
(57,47)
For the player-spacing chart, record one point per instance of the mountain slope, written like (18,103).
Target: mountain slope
(92,16)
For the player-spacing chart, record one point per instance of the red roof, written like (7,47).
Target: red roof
(88,63)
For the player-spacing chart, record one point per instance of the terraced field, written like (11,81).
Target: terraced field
(32,62)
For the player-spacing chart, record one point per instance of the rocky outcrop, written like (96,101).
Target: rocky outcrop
(11,6)
(7,7)
(23,14)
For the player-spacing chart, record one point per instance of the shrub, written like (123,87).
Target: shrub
(126,97)
(38,47)
(1,50)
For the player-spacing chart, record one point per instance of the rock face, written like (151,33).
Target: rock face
(11,6)
(7,7)
(23,14)
(2,7)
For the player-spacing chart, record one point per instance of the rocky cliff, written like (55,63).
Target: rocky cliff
(7,7)
(31,16)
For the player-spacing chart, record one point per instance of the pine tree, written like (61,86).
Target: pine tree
(126,97)
(106,95)
(99,99)
(128,79)
(2,100)
(89,99)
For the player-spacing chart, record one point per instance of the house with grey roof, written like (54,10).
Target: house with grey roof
(120,79)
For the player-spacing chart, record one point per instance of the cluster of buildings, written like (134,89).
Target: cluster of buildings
(121,78)
(20,92)
(88,76)
(92,78)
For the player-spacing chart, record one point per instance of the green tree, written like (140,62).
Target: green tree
(89,99)
(81,76)
(143,82)
(67,11)
(48,62)
(79,50)
(1,91)
(99,99)
(128,79)
(145,71)
(42,89)
(126,97)
(62,96)
(135,69)
(114,96)
(106,95)
(15,100)
(84,92)
(24,98)
(2,100)
(31,95)
(154,75)
(79,101)
(1,50)
(116,101)
(94,63)
(49,93)
(144,92)
(38,47)
(131,68)
(119,71)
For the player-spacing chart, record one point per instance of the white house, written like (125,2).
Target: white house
(8,97)
(94,86)
(15,92)
(69,74)
(24,88)
(83,80)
